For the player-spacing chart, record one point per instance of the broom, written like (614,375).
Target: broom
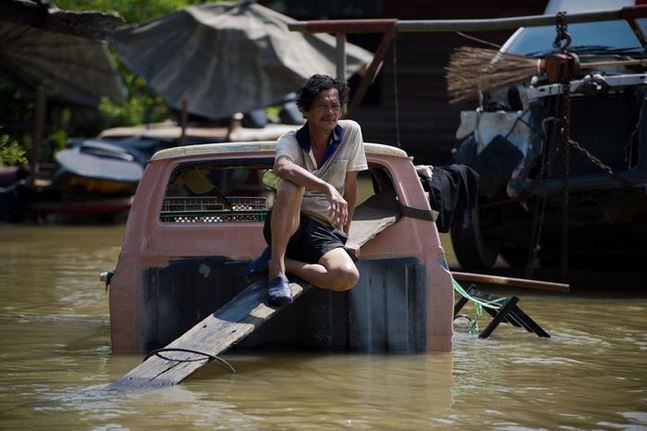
(474,70)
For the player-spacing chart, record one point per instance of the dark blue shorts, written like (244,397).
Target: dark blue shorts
(312,239)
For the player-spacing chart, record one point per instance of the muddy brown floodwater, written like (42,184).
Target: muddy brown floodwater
(56,356)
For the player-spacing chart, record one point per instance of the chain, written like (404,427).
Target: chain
(563,125)
(565,144)
(597,162)
(594,160)
(562,39)
(532,263)
(539,212)
(544,127)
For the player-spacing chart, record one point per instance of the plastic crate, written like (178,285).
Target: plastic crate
(213,209)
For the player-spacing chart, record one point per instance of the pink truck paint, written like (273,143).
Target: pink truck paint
(185,247)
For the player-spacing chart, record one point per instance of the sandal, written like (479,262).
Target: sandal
(278,291)
(257,267)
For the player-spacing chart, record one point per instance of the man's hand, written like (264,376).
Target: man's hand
(338,207)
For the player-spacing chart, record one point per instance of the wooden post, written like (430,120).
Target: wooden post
(341,56)
(343,27)
(184,119)
(39,127)
(371,72)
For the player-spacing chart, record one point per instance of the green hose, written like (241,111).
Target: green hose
(478,305)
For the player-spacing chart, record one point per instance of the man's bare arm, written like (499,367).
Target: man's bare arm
(290,171)
(350,195)
(287,170)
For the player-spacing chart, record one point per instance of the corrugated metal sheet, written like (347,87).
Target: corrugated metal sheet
(388,307)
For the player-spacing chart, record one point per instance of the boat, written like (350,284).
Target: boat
(537,210)
(98,168)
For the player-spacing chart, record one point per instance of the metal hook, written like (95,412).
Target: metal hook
(562,39)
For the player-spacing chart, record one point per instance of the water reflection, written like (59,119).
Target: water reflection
(55,360)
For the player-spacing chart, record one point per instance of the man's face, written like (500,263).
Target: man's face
(325,111)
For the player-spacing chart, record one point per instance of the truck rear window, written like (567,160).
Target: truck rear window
(218,194)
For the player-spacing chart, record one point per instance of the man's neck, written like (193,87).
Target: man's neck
(319,138)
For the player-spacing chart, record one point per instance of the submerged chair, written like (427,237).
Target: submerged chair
(501,308)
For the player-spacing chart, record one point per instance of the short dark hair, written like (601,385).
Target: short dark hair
(315,85)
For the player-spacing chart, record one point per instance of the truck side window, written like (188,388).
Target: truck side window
(373,181)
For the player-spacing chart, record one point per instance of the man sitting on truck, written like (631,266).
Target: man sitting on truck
(317,167)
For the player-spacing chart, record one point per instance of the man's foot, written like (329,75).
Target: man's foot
(257,267)
(278,291)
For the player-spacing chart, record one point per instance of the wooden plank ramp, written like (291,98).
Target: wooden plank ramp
(239,317)
(212,336)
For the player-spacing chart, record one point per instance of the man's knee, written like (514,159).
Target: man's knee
(342,272)
(289,192)
(287,207)
(344,277)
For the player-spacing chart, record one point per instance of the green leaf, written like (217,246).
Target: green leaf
(11,153)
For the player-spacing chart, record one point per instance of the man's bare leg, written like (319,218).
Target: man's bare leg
(285,221)
(335,270)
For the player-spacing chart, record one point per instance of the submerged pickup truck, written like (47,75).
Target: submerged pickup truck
(196,220)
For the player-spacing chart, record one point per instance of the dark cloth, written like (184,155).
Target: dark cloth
(453,192)
(312,239)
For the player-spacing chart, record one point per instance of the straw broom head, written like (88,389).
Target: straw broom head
(473,70)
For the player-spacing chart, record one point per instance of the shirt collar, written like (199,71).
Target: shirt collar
(303,137)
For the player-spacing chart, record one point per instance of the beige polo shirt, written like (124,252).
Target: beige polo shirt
(346,154)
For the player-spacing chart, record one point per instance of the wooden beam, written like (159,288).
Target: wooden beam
(371,72)
(452,25)
(513,23)
(496,280)
(212,336)
(344,25)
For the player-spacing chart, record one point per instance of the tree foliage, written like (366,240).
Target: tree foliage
(11,153)
(141,106)
(133,11)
